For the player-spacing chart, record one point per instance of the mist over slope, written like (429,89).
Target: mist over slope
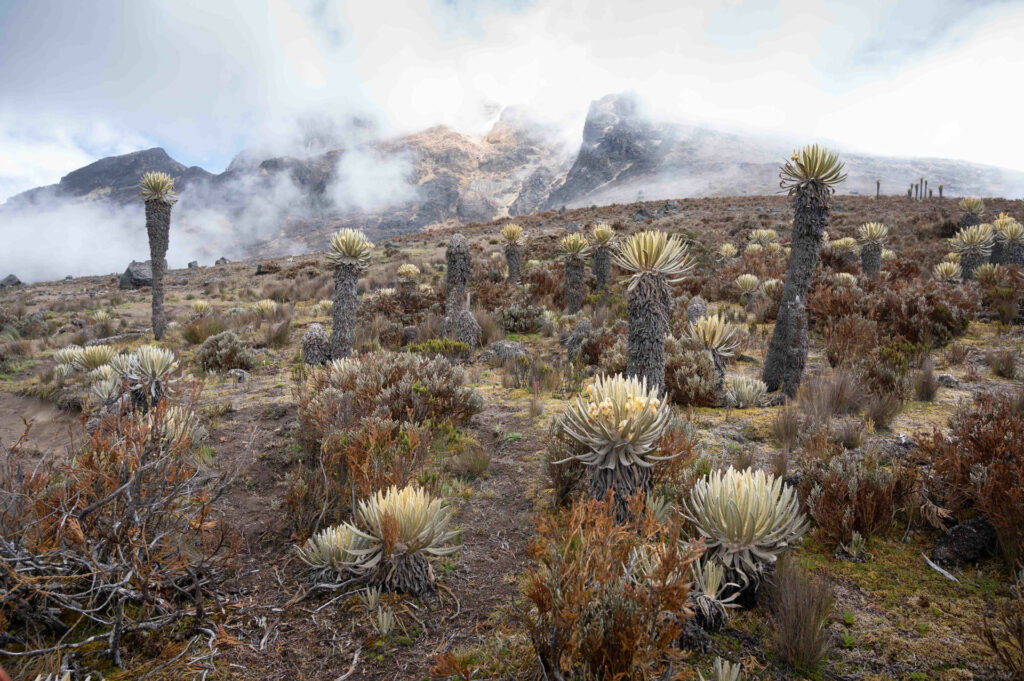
(287,198)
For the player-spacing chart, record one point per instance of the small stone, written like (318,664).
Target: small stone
(193,265)
(240,375)
(409,334)
(222,261)
(948,381)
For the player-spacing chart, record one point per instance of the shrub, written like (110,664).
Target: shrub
(884,371)
(387,385)
(520,318)
(598,595)
(202,328)
(926,313)
(801,604)
(979,465)
(690,376)
(123,529)
(847,495)
(851,338)
(606,348)
(370,455)
(445,347)
(224,351)
(823,397)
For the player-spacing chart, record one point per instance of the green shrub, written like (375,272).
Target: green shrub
(690,376)
(225,351)
(446,347)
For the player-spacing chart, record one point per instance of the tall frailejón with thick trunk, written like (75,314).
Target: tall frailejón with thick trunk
(872,238)
(348,255)
(810,177)
(603,237)
(457,274)
(575,248)
(654,260)
(157,190)
(514,239)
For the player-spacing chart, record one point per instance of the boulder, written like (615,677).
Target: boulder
(10,281)
(948,381)
(138,275)
(222,261)
(968,542)
(193,265)
(501,351)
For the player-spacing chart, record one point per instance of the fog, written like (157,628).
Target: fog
(50,237)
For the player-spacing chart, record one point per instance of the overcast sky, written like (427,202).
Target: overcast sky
(81,80)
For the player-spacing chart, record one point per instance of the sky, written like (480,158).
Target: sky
(206,79)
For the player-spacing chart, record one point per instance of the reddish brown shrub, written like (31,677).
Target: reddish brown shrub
(605,600)
(980,465)
(849,494)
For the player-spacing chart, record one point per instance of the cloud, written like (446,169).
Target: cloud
(49,239)
(366,180)
(206,79)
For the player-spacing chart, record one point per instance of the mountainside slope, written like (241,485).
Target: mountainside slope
(436,178)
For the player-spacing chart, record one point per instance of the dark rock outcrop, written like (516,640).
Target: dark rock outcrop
(138,275)
(966,543)
(10,281)
(534,192)
(617,139)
